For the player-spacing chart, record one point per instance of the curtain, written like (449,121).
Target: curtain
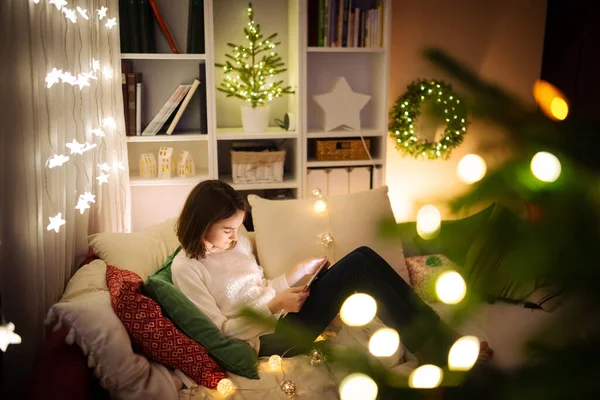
(60,95)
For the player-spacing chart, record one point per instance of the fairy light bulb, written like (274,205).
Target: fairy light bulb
(55,223)
(559,108)
(358,309)
(471,168)
(225,387)
(551,100)
(384,342)
(288,387)
(358,386)
(8,336)
(275,362)
(429,221)
(427,376)
(450,287)
(545,166)
(320,206)
(463,353)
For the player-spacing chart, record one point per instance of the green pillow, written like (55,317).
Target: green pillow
(233,355)
(455,237)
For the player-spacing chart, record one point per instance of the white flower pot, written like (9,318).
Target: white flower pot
(255,120)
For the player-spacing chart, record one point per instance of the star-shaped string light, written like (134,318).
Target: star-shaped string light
(53,77)
(75,147)
(70,15)
(88,197)
(82,205)
(90,75)
(57,160)
(82,81)
(95,64)
(98,132)
(56,222)
(58,3)
(103,178)
(111,22)
(109,122)
(107,72)
(8,336)
(104,167)
(102,12)
(87,147)
(83,13)
(36,1)
(118,165)
(68,78)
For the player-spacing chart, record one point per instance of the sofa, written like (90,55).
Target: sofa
(78,362)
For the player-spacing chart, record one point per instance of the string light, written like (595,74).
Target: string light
(56,222)
(109,122)
(384,342)
(83,13)
(429,221)
(316,357)
(8,336)
(551,100)
(102,12)
(275,362)
(225,387)
(90,198)
(463,353)
(289,388)
(107,72)
(450,287)
(58,3)
(358,386)
(98,132)
(70,14)
(75,147)
(82,205)
(53,77)
(111,23)
(427,376)
(358,309)
(545,166)
(471,168)
(104,167)
(102,178)
(117,165)
(326,239)
(57,160)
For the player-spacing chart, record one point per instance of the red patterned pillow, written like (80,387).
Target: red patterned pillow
(154,335)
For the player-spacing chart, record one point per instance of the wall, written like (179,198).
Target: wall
(501,40)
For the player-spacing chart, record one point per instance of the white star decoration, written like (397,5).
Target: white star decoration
(82,81)
(109,122)
(111,22)
(82,205)
(95,65)
(58,3)
(118,165)
(56,222)
(83,13)
(70,15)
(87,196)
(107,72)
(103,178)
(68,78)
(102,12)
(98,132)
(342,106)
(75,147)
(8,336)
(57,160)
(36,1)
(104,167)
(87,147)
(53,77)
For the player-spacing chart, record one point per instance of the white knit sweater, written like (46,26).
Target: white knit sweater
(223,283)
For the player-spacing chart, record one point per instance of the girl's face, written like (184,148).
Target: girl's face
(221,233)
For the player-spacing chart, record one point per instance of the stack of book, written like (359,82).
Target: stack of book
(345,23)
(132,98)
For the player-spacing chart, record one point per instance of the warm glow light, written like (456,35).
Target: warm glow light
(358,386)
(275,362)
(471,168)
(425,377)
(463,354)
(358,309)
(545,166)
(8,336)
(551,100)
(429,221)
(450,287)
(55,223)
(225,387)
(384,342)
(320,206)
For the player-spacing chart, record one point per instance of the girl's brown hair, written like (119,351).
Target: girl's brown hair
(210,201)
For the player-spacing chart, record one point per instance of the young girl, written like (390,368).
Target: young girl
(218,272)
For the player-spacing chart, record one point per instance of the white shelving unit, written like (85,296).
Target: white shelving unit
(310,71)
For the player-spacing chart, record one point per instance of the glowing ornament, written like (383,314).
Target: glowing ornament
(450,287)
(102,12)
(275,362)
(111,22)
(384,342)
(57,160)
(103,178)
(289,388)
(225,387)
(87,196)
(425,377)
(358,309)
(358,386)
(429,221)
(75,147)
(463,354)
(58,3)
(320,206)
(8,335)
(98,132)
(551,100)
(82,205)
(545,166)
(55,222)
(317,193)
(70,15)
(471,168)
(83,13)
(53,77)
(109,122)
(326,239)
(316,357)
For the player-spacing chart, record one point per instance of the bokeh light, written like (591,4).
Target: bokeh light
(463,354)
(384,342)
(450,287)
(545,166)
(358,309)
(471,168)
(551,100)
(358,386)
(427,376)
(429,221)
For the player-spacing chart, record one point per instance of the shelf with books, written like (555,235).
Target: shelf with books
(289,182)
(319,133)
(174,137)
(312,163)
(163,56)
(345,49)
(239,134)
(136,180)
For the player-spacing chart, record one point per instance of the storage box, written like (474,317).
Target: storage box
(342,149)
(257,166)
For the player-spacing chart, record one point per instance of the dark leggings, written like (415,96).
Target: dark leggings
(363,270)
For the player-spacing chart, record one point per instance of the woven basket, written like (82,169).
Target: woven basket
(257,167)
(342,149)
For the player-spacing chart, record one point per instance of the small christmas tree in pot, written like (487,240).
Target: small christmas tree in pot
(252,66)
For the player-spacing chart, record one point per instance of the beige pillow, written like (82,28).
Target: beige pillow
(90,278)
(141,252)
(288,231)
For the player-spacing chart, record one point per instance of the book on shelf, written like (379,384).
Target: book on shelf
(133,79)
(195,39)
(163,26)
(126,67)
(137,28)
(138,108)
(202,94)
(166,111)
(147,43)
(183,106)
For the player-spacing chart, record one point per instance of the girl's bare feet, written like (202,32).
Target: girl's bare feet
(486,353)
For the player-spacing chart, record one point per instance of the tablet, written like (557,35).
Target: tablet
(321,270)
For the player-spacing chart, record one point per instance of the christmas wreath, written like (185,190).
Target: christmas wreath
(407,109)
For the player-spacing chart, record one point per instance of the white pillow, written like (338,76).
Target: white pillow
(141,252)
(88,279)
(97,330)
(288,231)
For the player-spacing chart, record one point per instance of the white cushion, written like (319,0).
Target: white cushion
(288,231)
(88,279)
(97,330)
(141,252)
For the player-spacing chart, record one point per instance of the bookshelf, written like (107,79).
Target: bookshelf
(310,70)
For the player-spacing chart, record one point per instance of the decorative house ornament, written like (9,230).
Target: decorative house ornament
(341,106)
(166,163)
(148,166)
(185,164)
(407,109)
